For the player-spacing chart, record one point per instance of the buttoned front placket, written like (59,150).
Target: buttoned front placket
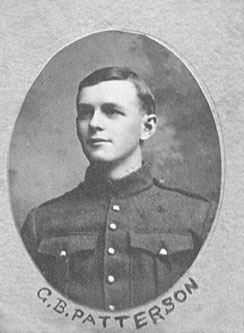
(116,258)
(114,262)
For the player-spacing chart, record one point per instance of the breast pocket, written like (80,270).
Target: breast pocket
(158,259)
(161,245)
(67,257)
(164,252)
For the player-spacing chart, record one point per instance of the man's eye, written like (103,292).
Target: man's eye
(110,111)
(85,112)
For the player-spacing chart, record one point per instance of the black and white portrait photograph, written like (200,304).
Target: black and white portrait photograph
(119,170)
(121,166)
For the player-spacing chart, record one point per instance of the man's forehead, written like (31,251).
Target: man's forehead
(109,91)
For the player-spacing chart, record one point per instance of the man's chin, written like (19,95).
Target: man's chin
(98,159)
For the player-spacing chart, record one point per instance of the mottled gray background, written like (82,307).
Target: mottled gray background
(209,34)
(45,155)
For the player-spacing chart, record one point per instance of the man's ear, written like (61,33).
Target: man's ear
(149,125)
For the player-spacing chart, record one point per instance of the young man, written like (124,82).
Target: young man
(120,238)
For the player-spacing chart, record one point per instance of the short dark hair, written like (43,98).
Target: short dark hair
(122,73)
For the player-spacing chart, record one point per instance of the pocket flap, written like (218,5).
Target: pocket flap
(162,243)
(66,245)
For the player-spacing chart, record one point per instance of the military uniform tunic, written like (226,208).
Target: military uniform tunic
(114,245)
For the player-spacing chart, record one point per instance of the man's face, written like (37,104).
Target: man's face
(110,121)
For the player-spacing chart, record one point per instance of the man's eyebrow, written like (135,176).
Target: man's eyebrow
(84,104)
(107,104)
(114,105)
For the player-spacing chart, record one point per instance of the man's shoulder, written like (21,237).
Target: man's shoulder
(54,212)
(184,201)
(191,209)
(177,192)
(63,200)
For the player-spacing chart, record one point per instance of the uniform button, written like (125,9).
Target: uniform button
(111,279)
(111,307)
(111,250)
(63,253)
(112,226)
(116,208)
(163,252)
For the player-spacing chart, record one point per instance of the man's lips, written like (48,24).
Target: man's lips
(92,141)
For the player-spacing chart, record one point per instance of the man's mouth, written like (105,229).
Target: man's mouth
(93,141)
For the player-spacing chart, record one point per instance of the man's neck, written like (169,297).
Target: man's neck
(112,171)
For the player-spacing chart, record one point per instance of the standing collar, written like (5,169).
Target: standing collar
(134,183)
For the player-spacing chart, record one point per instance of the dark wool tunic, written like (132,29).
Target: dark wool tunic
(116,245)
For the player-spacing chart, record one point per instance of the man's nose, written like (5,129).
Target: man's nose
(96,121)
